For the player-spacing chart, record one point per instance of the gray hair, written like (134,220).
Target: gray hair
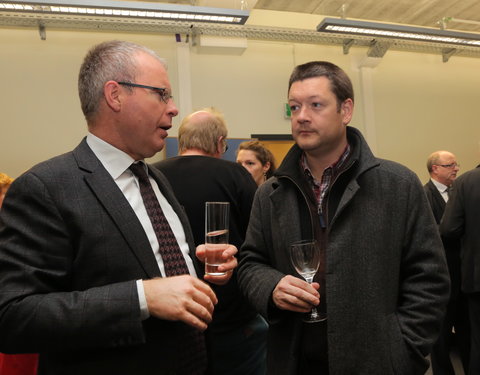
(202,134)
(108,61)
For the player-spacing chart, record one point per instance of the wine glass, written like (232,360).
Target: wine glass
(305,257)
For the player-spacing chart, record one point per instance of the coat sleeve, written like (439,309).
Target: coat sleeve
(39,308)
(424,279)
(256,272)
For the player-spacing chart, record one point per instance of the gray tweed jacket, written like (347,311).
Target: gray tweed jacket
(386,277)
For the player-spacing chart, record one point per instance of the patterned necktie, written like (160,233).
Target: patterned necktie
(194,357)
(172,257)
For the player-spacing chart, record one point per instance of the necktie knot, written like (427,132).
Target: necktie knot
(138,169)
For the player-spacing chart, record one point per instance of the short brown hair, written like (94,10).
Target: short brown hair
(339,81)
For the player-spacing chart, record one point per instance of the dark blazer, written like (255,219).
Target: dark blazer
(71,250)
(437,203)
(460,221)
(451,245)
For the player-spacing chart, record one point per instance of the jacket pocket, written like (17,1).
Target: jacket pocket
(402,358)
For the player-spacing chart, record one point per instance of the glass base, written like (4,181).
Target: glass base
(314,317)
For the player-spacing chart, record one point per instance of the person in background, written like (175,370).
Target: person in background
(15,364)
(257,159)
(237,334)
(5,182)
(98,271)
(460,221)
(383,277)
(443,168)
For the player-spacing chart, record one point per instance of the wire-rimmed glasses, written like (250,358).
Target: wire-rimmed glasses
(161,91)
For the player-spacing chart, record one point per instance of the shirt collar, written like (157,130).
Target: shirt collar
(113,159)
(441,187)
(335,166)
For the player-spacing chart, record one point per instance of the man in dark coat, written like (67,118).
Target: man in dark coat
(443,168)
(461,221)
(383,275)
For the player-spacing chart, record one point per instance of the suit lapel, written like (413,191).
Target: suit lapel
(117,207)
(439,203)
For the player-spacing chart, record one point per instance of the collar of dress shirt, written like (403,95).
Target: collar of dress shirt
(114,160)
(441,187)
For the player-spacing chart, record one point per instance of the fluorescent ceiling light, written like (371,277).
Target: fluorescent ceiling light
(383,30)
(111,8)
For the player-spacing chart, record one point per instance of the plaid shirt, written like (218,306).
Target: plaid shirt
(320,188)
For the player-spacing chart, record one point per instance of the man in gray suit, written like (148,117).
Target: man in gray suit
(383,278)
(86,276)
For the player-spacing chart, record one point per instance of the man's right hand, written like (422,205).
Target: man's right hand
(294,294)
(183,298)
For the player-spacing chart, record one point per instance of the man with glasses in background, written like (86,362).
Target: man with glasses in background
(443,168)
(98,271)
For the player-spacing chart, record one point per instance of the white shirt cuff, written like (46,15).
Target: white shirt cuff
(142,300)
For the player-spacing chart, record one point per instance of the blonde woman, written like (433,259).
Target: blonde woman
(5,182)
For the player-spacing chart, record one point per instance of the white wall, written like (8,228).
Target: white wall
(420,104)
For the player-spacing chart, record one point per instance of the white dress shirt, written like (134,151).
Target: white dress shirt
(442,189)
(117,164)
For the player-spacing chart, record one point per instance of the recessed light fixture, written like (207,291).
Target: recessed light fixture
(128,9)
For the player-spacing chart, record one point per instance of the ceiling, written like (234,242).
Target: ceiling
(414,12)
(428,13)
(463,15)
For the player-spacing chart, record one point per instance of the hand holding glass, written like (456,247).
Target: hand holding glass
(305,256)
(217,216)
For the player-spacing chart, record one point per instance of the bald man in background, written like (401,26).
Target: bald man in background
(237,336)
(443,168)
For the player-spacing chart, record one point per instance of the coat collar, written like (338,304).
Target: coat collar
(360,155)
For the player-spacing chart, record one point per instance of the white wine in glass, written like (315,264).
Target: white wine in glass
(305,256)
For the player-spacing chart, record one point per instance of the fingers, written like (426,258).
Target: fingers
(294,294)
(230,252)
(205,290)
(230,263)
(200,253)
(182,298)
(227,254)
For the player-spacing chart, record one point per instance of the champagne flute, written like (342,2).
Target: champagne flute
(305,257)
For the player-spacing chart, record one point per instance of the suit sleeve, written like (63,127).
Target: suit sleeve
(40,309)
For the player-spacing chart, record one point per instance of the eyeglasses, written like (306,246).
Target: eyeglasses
(451,165)
(161,91)
(225,147)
